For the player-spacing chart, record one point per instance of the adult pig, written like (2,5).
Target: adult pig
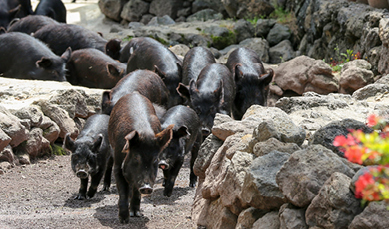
(52,8)
(91,153)
(251,79)
(30,24)
(187,138)
(10,9)
(24,57)
(194,61)
(147,53)
(146,82)
(137,138)
(60,37)
(94,69)
(212,93)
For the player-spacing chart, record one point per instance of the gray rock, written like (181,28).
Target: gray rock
(383,80)
(12,127)
(281,52)
(146,18)
(277,34)
(4,139)
(220,217)
(263,148)
(221,36)
(371,90)
(111,8)
(208,149)
(325,136)
(135,25)
(50,129)
(375,215)
(36,145)
(292,217)
(73,101)
(335,206)
(260,189)
(263,27)
(243,30)
(205,15)
(305,172)
(163,20)
(355,75)
(133,10)
(165,7)
(6,154)
(248,216)
(274,123)
(30,113)
(268,221)
(59,116)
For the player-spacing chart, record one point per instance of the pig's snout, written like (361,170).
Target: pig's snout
(163,165)
(206,131)
(82,174)
(146,189)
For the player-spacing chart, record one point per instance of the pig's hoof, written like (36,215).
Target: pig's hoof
(135,214)
(80,197)
(124,221)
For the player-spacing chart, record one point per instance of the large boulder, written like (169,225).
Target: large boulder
(292,217)
(335,206)
(165,7)
(12,127)
(133,10)
(112,8)
(305,172)
(355,75)
(375,215)
(303,74)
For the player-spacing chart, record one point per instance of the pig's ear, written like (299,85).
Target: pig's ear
(267,78)
(112,48)
(179,66)
(183,90)
(237,73)
(114,71)
(159,72)
(50,13)
(182,132)
(68,143)
(98,143)
(44,63)
(192,87)
(133,135)
(164,137)
(2,30)
(66,55)
(13,22)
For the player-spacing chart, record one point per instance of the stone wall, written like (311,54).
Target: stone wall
(277,167)
(35,115)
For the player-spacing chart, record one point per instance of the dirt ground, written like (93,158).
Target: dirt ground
(41,195)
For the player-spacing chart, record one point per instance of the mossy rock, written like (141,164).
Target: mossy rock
(58,150)
(220,42)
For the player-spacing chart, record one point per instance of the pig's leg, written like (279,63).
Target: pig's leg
(123,190)
(135,203)
(82,191)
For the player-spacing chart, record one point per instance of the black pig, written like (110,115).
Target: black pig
(60,37)
(137,138)
(91,153)
(24,57)
(10,9)
(93,68)
(251,79)
(146,82)
(30,24)
(212,93)
(187,138)
(147,53)
(194,61)
(52,8)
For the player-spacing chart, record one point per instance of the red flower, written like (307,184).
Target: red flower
(354,154)
(343,141)
(372,120)
(363,183)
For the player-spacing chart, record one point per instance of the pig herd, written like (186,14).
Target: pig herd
(157,109)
